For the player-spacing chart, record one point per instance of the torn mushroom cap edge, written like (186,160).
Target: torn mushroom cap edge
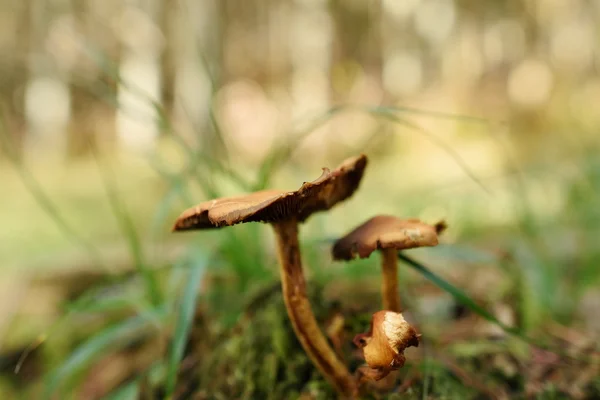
(332,187)
(400,334)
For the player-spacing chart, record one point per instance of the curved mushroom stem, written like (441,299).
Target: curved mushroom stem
(389,266)
(300,313)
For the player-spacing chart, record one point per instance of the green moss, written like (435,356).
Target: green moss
(262,358)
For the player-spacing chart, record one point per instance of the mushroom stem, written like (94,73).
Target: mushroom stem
(389,266)
(300,313)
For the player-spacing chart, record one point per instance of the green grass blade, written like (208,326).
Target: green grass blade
(129,391)
(538,283)
(108,93)
(432,114)
(128,230)
(111,71)
(99,345)
(43,200)
(178,188)
(120,298)
(281,152)
(449,150)
(102,301)
(464,253)
(458,294)
(117,298)
(184,322)
(133,389)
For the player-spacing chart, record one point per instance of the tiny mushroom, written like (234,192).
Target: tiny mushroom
(387,234)
(383,346)
(284,211)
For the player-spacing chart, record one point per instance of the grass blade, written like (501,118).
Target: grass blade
(433,114)
(134,389)
(465,253)
(281,152)
(458,294)
(109,339)
(178,188)
(184,322)
(43,200)
(413,126)
(160,117)
(128,230)
(129,391)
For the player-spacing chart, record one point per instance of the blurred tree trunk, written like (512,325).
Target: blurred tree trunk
(81,128)
(356,38)
(13,74)
(81,131)
(93,88)
(278,18)
(215,39)
(46,96)
(168,15)
(372,49)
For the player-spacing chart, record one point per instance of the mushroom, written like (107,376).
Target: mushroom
(284,211)
(383,346)
(387,234)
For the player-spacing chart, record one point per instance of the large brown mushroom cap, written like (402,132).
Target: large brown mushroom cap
(385,232)
(321,194)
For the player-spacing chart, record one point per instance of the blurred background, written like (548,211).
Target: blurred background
(115,116)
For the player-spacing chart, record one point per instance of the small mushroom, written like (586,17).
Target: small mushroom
(383,346)
(284,211)
(387,234)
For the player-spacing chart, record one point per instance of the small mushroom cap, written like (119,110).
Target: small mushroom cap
(321,194)
(385,232)
(389,335)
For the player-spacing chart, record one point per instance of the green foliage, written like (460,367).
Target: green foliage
(42,198)
(186,312)
(107,340)
(130,234)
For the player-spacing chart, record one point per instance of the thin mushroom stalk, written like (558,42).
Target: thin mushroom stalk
(300,313)
(389,282)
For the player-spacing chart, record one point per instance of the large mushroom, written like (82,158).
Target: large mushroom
(387,234)
(284,211)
